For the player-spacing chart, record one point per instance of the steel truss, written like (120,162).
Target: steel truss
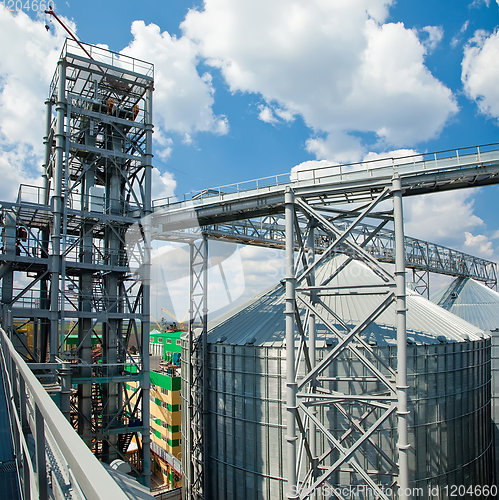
(82,242)
(421,256)
(421,282)
(195,448)
(310,466)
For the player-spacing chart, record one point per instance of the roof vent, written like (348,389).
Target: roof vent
(251,341)
(453,295)
(221,339)
(442,339)
(410,341)
(329,341)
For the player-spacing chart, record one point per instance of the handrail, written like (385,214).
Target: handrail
(422,161)
(90,476)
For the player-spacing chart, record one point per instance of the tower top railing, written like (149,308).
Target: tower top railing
(108,57)
(104,61)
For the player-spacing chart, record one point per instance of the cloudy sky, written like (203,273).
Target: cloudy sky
(249,88)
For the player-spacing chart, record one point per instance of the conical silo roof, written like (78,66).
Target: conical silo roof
(260,321)
(471,301)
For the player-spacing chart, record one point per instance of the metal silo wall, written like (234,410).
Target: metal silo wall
(450,394)
(495,400)
(449,422)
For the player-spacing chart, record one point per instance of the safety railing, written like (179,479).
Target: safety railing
(109,57)
(330,174)
(61,466)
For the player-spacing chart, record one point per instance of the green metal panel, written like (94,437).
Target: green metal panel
(171,341)
(165,381)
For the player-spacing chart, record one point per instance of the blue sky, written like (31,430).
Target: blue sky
(251,88)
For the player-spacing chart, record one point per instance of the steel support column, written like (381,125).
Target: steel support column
(311,396)
(291,385)
(401,310)
(55,259)
(196,447)
(146,287)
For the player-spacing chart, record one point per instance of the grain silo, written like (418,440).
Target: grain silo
(449,395)
(479,305)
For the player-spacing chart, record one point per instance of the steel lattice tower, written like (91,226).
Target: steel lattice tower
(82,243)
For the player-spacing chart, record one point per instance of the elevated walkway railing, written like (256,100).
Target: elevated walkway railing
(336,174)
(52,460)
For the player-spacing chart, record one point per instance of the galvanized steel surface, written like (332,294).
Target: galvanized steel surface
(449,396)
(449,401)
(260,320)
(479,305)
(471,301)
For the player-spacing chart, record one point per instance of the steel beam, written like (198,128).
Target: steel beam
(310,397)
(422,256)
(335,185)
(195,454)
(401,311)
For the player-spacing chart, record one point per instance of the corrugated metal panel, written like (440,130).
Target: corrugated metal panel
(471,301)
(261,320)
(449,402)
(449,395)
(479,305)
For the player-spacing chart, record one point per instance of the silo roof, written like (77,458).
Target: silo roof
(472,301)
(260,321)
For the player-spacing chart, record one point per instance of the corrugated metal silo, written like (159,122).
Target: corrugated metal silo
(479,305)
(448,373)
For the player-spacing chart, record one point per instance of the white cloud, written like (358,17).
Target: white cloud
(478,245)
(163,184)
(457,38)
(477,3)
(334,63)
(164,145)
(435,35)
(442,218)
(26,70)
(266,115)
(183,99)
(19,166)
(27,65)
(480,72)
(340,146)
(284,114)
(272,114)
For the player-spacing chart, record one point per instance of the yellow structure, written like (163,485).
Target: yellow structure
(165,409)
